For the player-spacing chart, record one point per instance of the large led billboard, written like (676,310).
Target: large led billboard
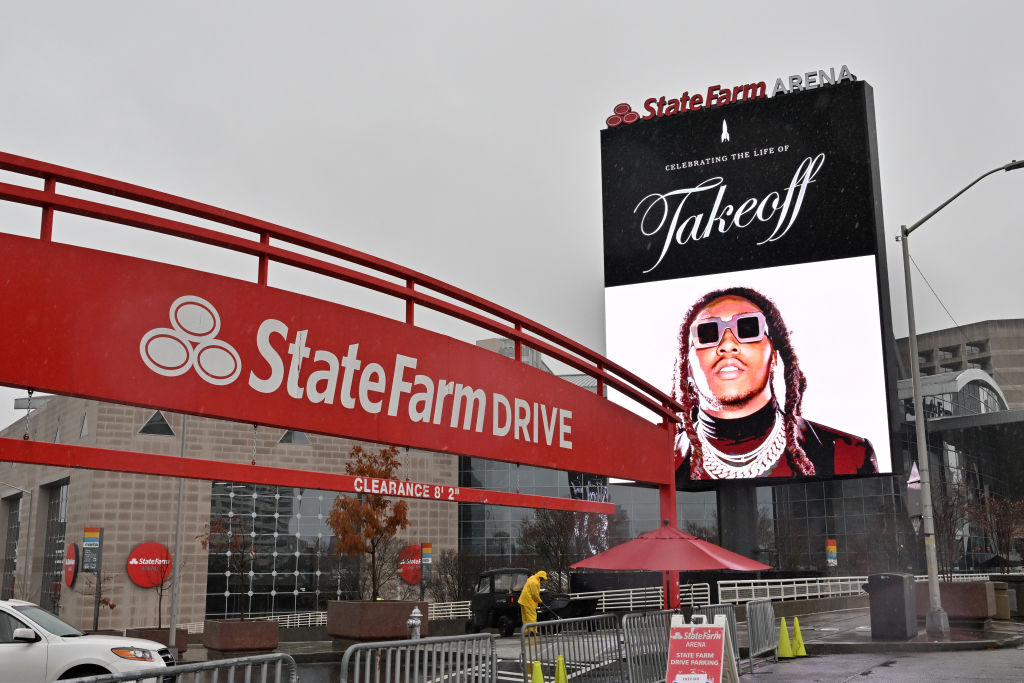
(745,275)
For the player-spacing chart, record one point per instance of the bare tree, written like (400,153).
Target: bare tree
(344,581)
(234,541)
(951,512)
(86,587)
(792,541)
(705,531)
(560,538)
(1001,519)
(454,575)
(366,525)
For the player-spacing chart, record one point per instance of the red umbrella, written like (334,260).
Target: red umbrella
(669,550)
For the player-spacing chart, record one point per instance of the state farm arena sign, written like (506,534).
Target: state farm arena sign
(144,333)
(149,564)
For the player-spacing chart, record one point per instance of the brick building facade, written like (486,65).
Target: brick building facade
(44,508)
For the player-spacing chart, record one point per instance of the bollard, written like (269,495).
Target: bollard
(413,623)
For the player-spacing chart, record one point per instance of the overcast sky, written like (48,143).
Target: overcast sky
(462,139)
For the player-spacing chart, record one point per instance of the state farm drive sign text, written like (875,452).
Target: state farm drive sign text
(139,332)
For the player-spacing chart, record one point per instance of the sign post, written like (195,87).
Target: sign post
(426,559)
(92,562)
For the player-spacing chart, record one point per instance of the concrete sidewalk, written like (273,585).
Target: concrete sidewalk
(849,631)
(838,645)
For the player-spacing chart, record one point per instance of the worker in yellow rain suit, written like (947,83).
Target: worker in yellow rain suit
(529,599)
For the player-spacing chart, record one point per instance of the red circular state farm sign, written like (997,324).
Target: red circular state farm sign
(71,565)
(149,564)
(409,564)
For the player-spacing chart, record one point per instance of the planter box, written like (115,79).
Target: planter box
(160,636)
(230,635)
(373,619)
(1016,585)
(973,601)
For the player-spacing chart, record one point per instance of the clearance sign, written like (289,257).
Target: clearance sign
(116,328)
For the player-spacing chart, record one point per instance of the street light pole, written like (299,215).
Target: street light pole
(936,621)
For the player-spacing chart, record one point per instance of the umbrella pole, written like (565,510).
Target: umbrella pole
(671,596)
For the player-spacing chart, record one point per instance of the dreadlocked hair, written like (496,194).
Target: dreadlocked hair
(686,393)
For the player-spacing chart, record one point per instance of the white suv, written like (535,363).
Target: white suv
(38,647)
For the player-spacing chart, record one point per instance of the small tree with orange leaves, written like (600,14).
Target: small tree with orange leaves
(364,525)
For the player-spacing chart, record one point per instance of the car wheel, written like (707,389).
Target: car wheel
(471,627)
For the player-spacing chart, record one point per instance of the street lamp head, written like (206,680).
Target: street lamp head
(1013,165)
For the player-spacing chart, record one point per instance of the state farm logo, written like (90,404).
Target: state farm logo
(191,341)
(622,113)
(148,561)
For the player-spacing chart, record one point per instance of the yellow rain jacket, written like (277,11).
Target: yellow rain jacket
(529,599)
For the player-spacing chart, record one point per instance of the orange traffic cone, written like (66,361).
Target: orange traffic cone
(784,650)
(798,640)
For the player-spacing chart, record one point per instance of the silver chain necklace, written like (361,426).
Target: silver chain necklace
(744,465)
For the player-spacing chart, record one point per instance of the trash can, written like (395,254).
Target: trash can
(893,606)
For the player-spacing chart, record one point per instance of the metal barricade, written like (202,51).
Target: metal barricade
(590,646)
(270,668)
(761,634)
(645,641)
(710,611)
(461,659)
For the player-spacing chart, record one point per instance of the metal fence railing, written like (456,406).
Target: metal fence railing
(449,610)
(761,634)
(620,600)
(270,668)
(805,588)
(296,620)
(694,594)
(590,647)
(645,644)
(625,599)
(789,589)
(467,659)
(954,577)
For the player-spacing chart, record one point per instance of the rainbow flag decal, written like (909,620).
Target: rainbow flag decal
(91,537)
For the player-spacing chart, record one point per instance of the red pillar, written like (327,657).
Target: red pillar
(667,508)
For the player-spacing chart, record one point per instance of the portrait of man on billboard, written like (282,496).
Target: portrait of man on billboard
(732,343)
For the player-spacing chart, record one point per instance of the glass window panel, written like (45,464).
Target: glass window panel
(7,581)
(53,547)
(284,582)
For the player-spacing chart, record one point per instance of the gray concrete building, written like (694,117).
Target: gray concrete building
(292,566)
(993,346)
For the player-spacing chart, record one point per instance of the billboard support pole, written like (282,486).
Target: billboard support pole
(936,622)
(667,508)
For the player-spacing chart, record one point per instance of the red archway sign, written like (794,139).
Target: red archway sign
(409,564)
(71,565)
(222,347)
(149,564)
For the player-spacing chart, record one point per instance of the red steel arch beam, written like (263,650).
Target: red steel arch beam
(105,459)
(596,365)
(614,435)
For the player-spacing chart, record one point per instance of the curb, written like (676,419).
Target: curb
(937,646)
